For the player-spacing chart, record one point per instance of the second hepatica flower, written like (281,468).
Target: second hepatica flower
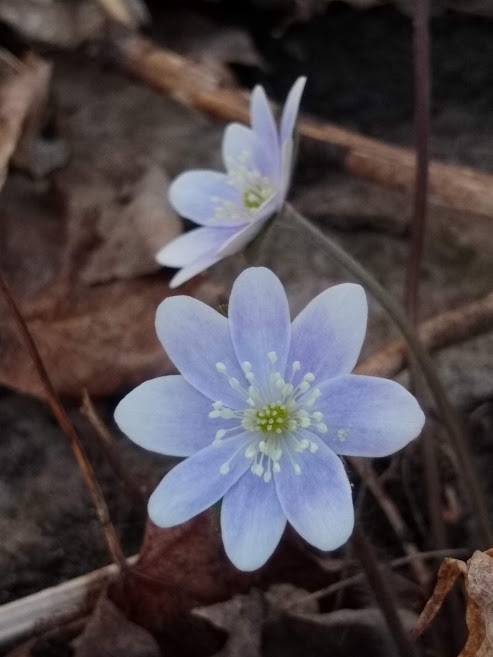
(263,408)
(232,207)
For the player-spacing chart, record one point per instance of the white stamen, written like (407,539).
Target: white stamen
(274,417)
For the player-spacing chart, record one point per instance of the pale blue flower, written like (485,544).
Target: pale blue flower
(262,408)
(232,207)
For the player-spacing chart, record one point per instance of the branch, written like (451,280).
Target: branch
(199,87)
(449,328)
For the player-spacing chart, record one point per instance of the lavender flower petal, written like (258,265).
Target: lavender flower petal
(252,522)
(368,416)
(196,338)
(317,502)
(166,415)
(195,195)
(197,483)
(188,248)
(259,322)
(327,335)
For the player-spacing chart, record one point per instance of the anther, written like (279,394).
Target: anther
(221,367)
(272,356)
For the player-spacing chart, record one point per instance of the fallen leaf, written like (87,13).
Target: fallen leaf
(109,634)
(78,251)
(271,623)
(55,23)
(183,568)
(478,575)
(24,90)
(102,338)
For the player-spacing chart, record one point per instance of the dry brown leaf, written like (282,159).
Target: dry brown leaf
(101,338)
(185,567)
(273,624)
(56,22)
(109,634)
(128,12)
(478,576)
(24,90)
(78,251)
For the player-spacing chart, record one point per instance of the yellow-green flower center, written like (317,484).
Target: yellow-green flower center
(254,197)
(273,418)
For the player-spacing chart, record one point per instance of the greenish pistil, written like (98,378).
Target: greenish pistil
(273,418)
(253,197)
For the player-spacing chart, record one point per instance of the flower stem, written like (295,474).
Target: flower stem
(365,553)
(85,467)
(447,412)
(421,46)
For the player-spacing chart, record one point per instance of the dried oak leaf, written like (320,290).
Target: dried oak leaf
(478,575)
(109,634)
(284,621)
(78,252)
(100,338)
(185,567)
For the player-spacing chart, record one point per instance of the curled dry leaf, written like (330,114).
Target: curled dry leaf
(478,576)
(24,89)
(272,623)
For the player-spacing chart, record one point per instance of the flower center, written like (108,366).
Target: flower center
(272,418)
(274,421)
(254,197)
(254,190)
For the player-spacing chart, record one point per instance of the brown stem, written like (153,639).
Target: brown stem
(366,472)
(107,441)
(365,553)
(68,429)
(421,46)
(395,563)
(446,329)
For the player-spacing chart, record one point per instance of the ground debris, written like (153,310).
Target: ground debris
(109,634)
(478,576)
(284,621)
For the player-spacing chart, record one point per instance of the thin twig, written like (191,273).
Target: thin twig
(108,443)
(366,472)
(384,596)
(421,58)
(447,412)
(395,563)
(448,328)
(68,429)
(460,188)
(422,129)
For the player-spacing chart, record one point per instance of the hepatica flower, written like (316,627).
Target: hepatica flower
(263,408)
(232,207)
